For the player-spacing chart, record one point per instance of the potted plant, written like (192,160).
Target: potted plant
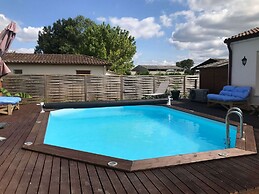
(175,93)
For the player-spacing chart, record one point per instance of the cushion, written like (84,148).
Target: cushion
(242,92)
(231,93)
(223,98)
(225,93)
(9,100)
(229,88)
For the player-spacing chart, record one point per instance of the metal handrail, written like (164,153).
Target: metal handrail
(237,111)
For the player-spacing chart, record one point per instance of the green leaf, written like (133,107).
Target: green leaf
(23,95)
(5,92)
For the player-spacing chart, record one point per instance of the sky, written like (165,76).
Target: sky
(166,31)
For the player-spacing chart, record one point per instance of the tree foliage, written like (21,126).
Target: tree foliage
(83,36)
(186,65)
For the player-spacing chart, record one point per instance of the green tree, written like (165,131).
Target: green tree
(186,65)
(83,36)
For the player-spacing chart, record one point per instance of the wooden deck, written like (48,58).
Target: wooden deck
(24,171)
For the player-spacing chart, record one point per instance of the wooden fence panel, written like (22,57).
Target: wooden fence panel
(70,88)
(112,88)
(134,87)
(191,82)
(67,88)
(95,88)
(31,84)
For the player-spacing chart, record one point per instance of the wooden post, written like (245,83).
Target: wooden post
(45,88)
(184,85)
(154,84)
(85,86)
(121,87)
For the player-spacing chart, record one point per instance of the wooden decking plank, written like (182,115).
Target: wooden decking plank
(10,147)
(10,163)
(253,160)
(21,171)
(192,176)
(43,122)
(9,171)
(106,184)
(233,172)
(45,177)
(214,176)
(26,177)
(74,177)
(250,141)
(183,175)
(156,182)
(127,185)
(246,165)
(115,181)
(64,177)
(147,183)
(36,127)
(94,179)
(84,179)
(136,183)
(36,175)
(224,175)
(176,181)
(207,181)
(55,176)
(166,181)
(13,184)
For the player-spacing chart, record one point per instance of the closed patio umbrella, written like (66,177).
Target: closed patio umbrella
(6,38)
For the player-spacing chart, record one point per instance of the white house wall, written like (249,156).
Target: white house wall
(57,69)
(246,75)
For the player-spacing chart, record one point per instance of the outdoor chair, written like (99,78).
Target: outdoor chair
(230,96)
(8,104)
(160,92)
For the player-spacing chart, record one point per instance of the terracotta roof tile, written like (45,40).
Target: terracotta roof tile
(252,33)
(21,58)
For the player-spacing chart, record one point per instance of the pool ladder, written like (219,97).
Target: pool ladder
(237,111)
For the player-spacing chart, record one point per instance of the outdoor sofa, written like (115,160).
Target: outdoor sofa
(230,96)
(8,104)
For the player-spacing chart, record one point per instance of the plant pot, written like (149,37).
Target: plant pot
(175,94)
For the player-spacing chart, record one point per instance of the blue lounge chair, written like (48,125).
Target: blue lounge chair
(230,96)
(8,104)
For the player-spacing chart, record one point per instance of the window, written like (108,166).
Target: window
(17,71)
(84,72)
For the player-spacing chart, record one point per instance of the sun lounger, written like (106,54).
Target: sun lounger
(230,96)
(160,92)
(8,104)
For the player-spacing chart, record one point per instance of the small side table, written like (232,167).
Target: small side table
(255,109)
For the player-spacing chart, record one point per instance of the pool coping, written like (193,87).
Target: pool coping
(34,142)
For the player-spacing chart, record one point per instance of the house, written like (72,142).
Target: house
(213,74)
(49,64)
(156,69)
(244,61)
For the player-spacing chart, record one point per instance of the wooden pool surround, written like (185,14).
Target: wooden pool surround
(245,146)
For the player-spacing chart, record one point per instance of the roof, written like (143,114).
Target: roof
(212,63)
(25,58)
(252,33)
(156,67)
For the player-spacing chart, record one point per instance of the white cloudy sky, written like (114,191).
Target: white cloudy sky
(166,31)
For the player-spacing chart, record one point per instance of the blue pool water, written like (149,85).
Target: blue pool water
(135,132)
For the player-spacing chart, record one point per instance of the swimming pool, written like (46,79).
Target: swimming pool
(191,135)
(135,132)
